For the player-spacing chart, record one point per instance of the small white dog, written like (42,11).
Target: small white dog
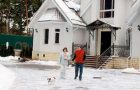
(51,80)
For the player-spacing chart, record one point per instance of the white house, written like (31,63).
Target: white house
(133,22)
(114,23)
(106,19)
(56,25)
(102,24)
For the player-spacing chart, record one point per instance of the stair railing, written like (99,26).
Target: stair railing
(117,50)
(106,54)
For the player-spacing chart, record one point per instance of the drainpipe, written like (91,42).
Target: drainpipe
(113,50)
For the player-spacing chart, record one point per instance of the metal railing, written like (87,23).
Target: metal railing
(121,50)
(74,46)
(114,50)
(103,57)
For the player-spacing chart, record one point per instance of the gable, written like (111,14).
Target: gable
(56,10)
(52,14)
(71,15)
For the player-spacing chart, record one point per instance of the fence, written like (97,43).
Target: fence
(121,50)
(74,46)
(24,43)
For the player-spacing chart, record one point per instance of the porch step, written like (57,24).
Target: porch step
(90,61)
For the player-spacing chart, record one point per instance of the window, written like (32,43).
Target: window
(43,55)
(57,35)
(128,37)
(46,36)
(106,8)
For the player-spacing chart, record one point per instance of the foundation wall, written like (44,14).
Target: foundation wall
(45,56)
(121,63)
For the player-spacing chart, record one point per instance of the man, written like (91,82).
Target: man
(79,57)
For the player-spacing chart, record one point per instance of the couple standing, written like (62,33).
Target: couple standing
(79,57)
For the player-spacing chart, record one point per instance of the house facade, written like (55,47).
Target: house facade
(114,27)
(102,24)
(133,26)
(114,31)
(56,26)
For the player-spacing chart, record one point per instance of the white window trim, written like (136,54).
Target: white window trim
(106,10)
(55,35)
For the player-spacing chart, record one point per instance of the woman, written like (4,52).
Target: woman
(64,59)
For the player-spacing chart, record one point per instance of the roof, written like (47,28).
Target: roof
(52,15)
(70,14)
(72,5)
(100,24)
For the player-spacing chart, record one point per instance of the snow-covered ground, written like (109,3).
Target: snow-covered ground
(31,78)
(7,78)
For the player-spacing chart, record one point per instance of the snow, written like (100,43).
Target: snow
(8,58)
(72,5)
(51,63)
(31,78)
(74,18)
(14,59)
(51,15)
(130,70)
(6,78)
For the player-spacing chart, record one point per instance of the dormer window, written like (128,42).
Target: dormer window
(106,8)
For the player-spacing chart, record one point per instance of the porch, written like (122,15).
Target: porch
(104,36)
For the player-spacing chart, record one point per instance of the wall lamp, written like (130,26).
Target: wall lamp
(67,30)
(36,30)
(139,27)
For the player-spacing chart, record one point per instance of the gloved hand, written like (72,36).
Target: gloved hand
(73,63)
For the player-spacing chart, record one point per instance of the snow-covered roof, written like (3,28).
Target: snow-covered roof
(72,5)
(51,15)
(70,14)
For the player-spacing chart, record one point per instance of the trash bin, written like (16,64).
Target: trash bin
(17,52)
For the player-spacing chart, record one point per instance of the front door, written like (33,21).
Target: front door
(105,41)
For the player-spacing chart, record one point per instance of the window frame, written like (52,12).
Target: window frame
(46,37)
(103,11)
(57,39)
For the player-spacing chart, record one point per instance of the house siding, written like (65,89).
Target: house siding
(51,47)
(135,39)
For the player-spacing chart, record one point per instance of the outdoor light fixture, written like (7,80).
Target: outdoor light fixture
(36,30)
(67,30)
(139,27)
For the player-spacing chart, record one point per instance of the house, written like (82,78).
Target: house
(133,26)
(109,27)
(56,25)
(105,19)
(113,28)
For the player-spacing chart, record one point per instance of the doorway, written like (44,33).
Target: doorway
(105,40)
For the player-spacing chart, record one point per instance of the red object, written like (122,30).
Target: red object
(79,56)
